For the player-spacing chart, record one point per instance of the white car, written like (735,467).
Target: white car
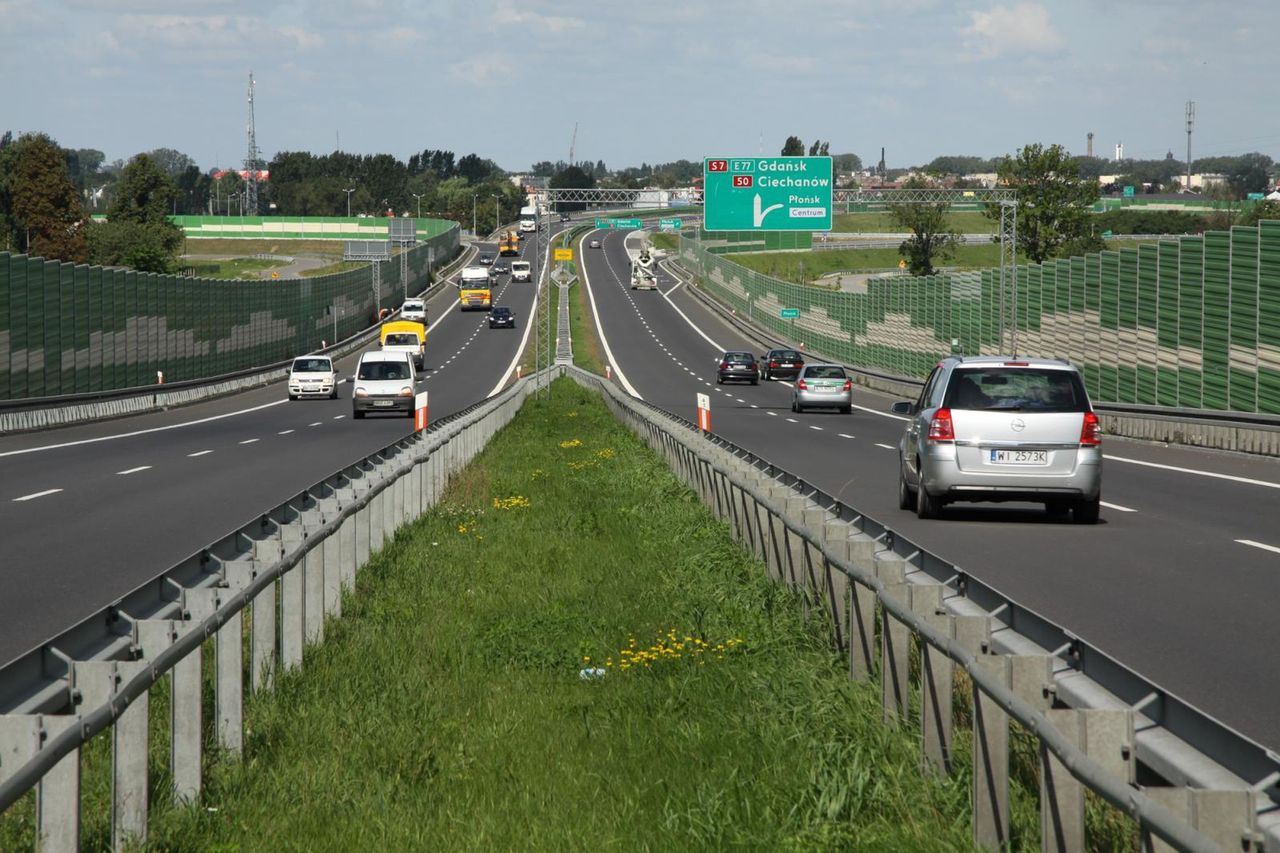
(384,382)
(313,376)
(415,310)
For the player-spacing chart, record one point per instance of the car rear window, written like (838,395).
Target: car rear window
(501,312)
(824,371)
(1016,388)
(786,355)
(401,339)
(413,306)
(374,370)
(739,356)
(312,365)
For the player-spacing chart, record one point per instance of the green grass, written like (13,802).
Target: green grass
(330,269)
(664,240)
(788,265)
(587,352)
(247,268)
(445,708)
(259,246)
(967,222)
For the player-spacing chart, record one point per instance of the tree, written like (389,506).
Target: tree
(1054,202)
(1259,211)
(1249,174)
(847,163)
(819,148)
(932,239)
(571,178)
(39,205)
(794,147)
(172,163)
(138,232)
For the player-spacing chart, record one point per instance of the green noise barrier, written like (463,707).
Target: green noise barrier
(1192,323)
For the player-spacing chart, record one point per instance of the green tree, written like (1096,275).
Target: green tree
(173,163)
(794,147)
(138,232)
(571,178)
(932,239)
(847,163)
(1259,211)
(39,205)
(1054,202)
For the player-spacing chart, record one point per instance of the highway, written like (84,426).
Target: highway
(1180,581)
(88,513)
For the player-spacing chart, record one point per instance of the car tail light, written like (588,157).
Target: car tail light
(1017,364)
(773,364)
(941,428)
(801,386)
(848,385)
(724,365)
(1091,430)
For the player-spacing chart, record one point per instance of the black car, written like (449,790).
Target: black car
(781,364)
(564,217)
(500,316)
(501,269)
(739,366)
(486,260)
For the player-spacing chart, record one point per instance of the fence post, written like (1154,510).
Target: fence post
(1061,794)
(58,794)
(313,571)
(292,602)
(936,680)
(262,646)
(1228,817)
(990,788)
(895,640)
(229,670)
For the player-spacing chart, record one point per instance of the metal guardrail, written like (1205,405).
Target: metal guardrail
(1096,721)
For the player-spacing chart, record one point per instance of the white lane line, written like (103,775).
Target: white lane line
(37,495)
(1268,484)
(198,453)
(886,446)
(1262,545)
(338,417)
(317,423)
(882,414)
(604,341)
(284,432)
(740,400)
(692,324)
(818,428)
(754,406)
(1117,507)
(143,431)
(846,435)
(772,414)
(249,441)
(135,470)
(792,420)
(528,326)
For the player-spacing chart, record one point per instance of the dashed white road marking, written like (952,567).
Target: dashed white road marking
(135,470)
(792,420)
(818,428)
(338,417)
(199,453)
(1262,545)
(846,435)
(317,423)
(35,495)
(249,441)
(284,432)
(886,446)
(772,414)
(1117,507)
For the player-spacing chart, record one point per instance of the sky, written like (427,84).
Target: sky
(650,81)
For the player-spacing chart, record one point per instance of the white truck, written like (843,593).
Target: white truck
(528,219)
(521,271)
(642,271)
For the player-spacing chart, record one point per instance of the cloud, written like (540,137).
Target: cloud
(481,70)
(1001,30)
(511,13)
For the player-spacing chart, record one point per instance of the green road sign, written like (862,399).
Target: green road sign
(767,193)
(1255,196)
(789,313)
(632,224)
(1128,191)
(669,223)
(604,223)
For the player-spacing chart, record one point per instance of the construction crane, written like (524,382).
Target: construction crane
(573,142)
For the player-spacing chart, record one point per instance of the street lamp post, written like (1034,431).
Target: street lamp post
(496,216)
(349,192)
(418,197)
(474,233)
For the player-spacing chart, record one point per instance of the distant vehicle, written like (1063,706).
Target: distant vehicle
(500,269)
(595,244)
(528,218)
(781,364)
(414,309)
(642,274)
(737,366)
(474,292)
(521,271)
(510,244)
(564,217)
(383,382)
(405,336)
(486,259)
(822,386)
(313,376)
(500,316)
(999,428)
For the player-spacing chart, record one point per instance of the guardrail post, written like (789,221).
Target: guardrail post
(262,644)
(98,682)
(936,681)
(1229,818)
(1061,794)
(186,703)
(398,511)
(58,791)
(990,788)
(229,669)
(292,603)
(377,519)
(895,640)
(363,535)
(313,571)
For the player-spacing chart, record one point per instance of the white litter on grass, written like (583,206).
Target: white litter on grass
(590,673)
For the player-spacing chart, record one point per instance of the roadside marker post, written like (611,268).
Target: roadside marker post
(704,413)
(420,411)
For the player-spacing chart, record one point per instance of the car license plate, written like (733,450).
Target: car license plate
(1020,457)
(384,402)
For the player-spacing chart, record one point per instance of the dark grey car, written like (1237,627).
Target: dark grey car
(737,366)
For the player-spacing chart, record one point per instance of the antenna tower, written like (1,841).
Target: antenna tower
(573,142)
(1191,120)
(251,162)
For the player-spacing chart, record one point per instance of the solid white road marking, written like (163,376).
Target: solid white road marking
(135,470)
(886,446)
(1261,545)
(1117,507)
(604,341)
(198,453)
(1196,471)
(881,414)
(37,495)
(142,431)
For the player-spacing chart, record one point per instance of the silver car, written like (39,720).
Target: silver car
(994,428)
(822,386)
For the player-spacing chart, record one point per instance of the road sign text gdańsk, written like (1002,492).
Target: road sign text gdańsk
(767,193)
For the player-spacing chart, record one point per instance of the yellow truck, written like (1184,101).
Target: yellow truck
(510,244)
(405,336)
(473,289)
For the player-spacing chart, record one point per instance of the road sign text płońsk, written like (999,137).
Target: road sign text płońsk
(789,313)
(767,193)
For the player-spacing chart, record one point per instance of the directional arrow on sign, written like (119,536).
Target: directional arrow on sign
(761,214)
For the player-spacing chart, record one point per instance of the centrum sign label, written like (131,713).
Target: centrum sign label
(767,193)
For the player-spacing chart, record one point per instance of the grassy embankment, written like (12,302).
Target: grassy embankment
(878,222)
(446,707)
(587,352)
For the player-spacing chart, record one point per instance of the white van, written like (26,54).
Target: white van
(384,382)
(415,310)
(521,271)
(528,219)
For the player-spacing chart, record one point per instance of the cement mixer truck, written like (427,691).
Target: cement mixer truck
(643,275)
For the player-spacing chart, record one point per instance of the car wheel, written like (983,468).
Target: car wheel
(333,395)
(927,506)
(719,380)
(764,374)
(755,381)
(1086,512)
(1056,509)
(846,410)
(906,500)
(357,414)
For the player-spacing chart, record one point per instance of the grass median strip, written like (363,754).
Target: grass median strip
(569,652)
